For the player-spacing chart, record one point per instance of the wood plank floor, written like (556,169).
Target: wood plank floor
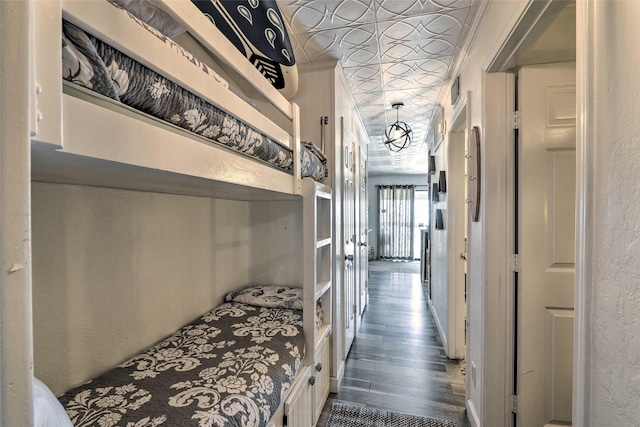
(397,361)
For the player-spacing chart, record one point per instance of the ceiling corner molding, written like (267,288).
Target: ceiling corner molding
(483,7)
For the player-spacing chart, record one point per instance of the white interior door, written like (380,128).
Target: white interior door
(349,237)
(546,240)
(363,224)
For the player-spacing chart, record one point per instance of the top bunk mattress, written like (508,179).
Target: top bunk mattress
(94,65)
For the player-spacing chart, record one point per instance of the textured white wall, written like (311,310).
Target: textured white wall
(440,254)
(615,228)
(115,271)
(482,398)
(276,250)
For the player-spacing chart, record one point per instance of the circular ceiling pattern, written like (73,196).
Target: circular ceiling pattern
(391,51)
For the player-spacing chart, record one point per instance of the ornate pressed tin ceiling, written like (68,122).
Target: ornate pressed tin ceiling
(391,51)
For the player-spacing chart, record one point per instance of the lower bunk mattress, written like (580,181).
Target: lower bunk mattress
(94,65)
(231,367)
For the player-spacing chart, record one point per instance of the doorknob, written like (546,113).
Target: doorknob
(348,257)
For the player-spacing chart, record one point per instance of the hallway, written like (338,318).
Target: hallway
(397,361)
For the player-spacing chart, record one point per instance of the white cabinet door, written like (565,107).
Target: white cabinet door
(298,408)
(321,387)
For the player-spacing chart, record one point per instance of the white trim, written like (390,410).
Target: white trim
(461,107)
(441,331)
(483,7)
(585,50)
(498,200)
(522,31)
(46,108)
(472,414)
(150,155)
(16,332)
(336,381)
(508,314)
(455,215)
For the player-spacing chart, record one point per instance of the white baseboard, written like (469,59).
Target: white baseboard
(472,414)
(443,335)
(336,381)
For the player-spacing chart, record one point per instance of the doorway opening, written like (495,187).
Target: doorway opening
(541,208)
(421,222)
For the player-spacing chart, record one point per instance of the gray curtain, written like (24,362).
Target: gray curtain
(395,214)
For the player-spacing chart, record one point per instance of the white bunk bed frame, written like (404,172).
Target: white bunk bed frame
(75,140)
(126,149)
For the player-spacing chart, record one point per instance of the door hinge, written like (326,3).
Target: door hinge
(516,120)
(284,420)
(514,404)
(515,263)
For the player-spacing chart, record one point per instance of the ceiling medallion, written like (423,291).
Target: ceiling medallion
(398,136)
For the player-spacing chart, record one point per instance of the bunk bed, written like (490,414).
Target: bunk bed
(103,127)
(136,104)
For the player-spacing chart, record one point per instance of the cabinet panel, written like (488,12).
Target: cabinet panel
(298,408)
(322,374)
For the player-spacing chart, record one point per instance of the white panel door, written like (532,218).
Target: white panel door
(348,237)
(363,232)
(546,240)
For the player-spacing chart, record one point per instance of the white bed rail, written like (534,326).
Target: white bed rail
(46,79)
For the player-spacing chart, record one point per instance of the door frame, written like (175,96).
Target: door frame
(349,207)
(499,260)
(456,224)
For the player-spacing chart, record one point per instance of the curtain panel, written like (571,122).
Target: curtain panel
(396,222)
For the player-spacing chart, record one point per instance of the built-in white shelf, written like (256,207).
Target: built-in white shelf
(322,288)
(317,226)
(322,333)
(323,243)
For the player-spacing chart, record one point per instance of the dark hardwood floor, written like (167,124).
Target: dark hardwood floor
(397,361)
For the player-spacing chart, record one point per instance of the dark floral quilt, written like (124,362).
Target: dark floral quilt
(231,367)
(92,64)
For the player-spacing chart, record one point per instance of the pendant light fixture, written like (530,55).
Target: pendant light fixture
(398,136)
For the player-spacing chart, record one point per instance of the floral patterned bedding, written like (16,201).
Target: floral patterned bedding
(231,367)
(92,64)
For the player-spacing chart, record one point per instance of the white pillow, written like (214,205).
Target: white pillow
(269,296)
(47,409)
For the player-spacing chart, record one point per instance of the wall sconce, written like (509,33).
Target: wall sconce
(442,182)
(435,196)
(439,220)
(398,136)
(432,165)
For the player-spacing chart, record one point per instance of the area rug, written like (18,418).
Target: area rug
(345,415)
